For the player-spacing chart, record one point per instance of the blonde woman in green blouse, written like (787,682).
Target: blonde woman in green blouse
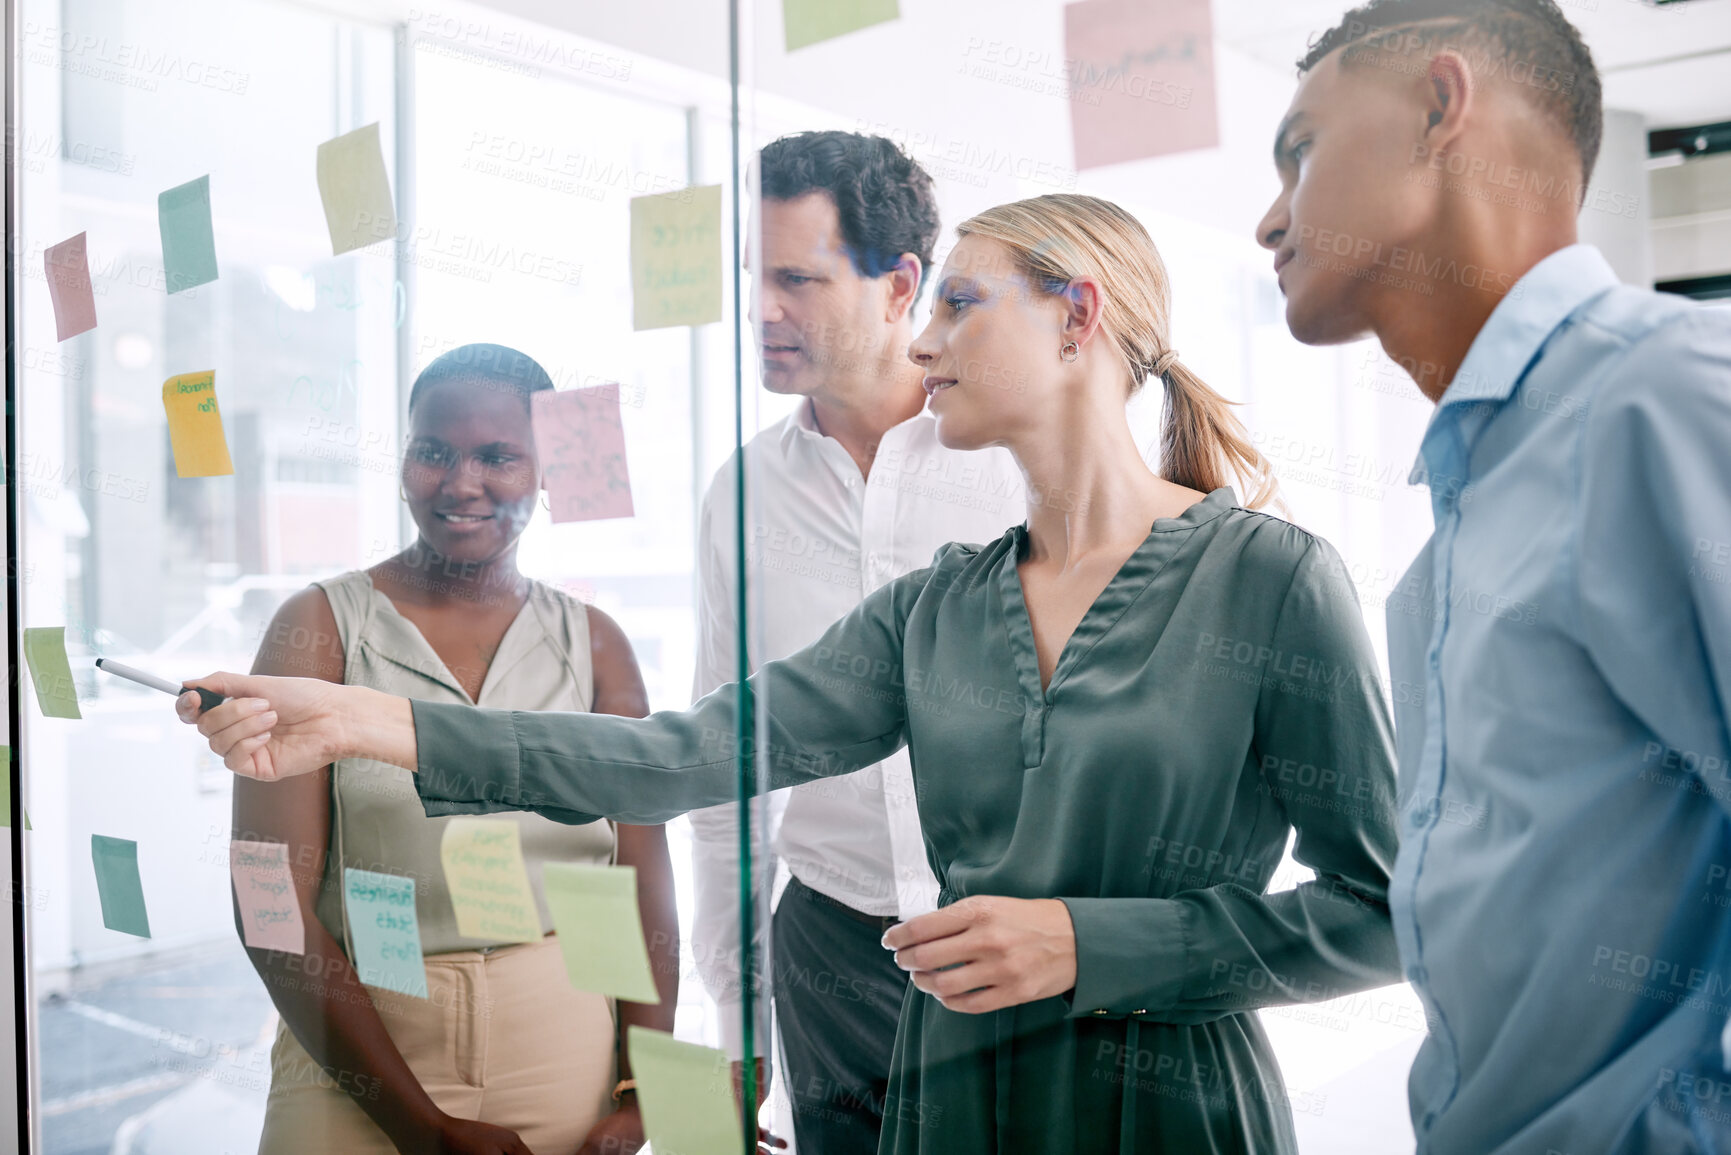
(1117,713)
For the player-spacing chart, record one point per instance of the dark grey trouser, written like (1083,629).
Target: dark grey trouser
(838,996)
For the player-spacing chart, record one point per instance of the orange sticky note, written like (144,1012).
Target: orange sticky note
(195,425)
(68,270)
(1141,78)
(581,443)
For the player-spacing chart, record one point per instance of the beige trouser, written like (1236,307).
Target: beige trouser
(503,1038)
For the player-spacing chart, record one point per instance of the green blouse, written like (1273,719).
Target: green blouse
(1219,694)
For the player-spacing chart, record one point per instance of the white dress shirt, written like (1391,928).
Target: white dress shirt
(819,538)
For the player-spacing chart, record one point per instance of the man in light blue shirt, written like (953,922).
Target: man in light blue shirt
(1561,648)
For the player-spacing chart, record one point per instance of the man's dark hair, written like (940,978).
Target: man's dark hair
(1529,41)
(882,196)
(483,366)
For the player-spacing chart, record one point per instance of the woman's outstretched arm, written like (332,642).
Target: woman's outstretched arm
(835,706)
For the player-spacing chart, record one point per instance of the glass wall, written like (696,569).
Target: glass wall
(735,451)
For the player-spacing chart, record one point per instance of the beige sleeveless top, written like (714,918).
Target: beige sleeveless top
(377,821)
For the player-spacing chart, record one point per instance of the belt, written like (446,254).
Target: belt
(882,921)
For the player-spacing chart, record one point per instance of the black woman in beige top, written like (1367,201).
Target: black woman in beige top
(503,1057)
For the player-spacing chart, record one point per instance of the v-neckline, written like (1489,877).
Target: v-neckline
(1125,585)
(439,669)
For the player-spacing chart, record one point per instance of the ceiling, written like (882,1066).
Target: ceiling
(1670,63)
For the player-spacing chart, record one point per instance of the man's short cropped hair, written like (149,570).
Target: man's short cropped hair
(1529,42)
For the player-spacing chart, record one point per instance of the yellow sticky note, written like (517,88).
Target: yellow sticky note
(195,425)
(355,190)
(806,22)
(676,258)
(685,1093)
(45,654)
(595,912)
(483,860)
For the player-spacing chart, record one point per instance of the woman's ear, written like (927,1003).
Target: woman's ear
(1083,306)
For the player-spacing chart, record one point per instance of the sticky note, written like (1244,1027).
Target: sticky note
(595,912)
(270,914)
(118,885)
(384,931)
(45,654)
(676,258)
(580,442)
(1141,78)
(68,272)
(685,1093)
(355,190)
(6,790)
(806,22)
(489,885)
(188,242)
(195,425)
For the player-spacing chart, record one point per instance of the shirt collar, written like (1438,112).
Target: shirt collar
(1517,328)
(803,421)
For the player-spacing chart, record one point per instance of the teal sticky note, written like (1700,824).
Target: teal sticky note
(188,242)
(118,885)
(384,931)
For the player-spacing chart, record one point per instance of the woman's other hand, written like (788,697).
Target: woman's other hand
(620,1133)
(988,952)
(455,1136)
(273,728)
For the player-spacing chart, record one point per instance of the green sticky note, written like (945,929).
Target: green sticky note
(6,790)
(188,243)
(45,654)
(483,860)
(676,258)
(384,931)
(685,1093)
(809,21)
(118,885)
(600,934)
(355,190)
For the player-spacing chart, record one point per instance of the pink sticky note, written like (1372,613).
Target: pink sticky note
(68,270)
(1141,78)
(270,914)
(581,443)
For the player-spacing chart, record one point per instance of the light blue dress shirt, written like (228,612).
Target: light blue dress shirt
(1561,661)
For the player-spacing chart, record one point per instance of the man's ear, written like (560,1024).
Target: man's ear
(904,286)
(1448,94)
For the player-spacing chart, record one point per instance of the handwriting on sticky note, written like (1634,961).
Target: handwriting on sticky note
(355,190)
(45,654)
(384,931)
(806,22)
(676,258)
(195,425)
(69,290)
(600,934)
(1141,78)
(270,912)
(118,885)
(188,241)
(580,441)
(685,1093)
(489,885)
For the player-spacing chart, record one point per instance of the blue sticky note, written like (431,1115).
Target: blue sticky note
(384,932)
(118,885)
(188,243)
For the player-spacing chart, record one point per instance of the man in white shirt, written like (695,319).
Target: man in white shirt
(847,493)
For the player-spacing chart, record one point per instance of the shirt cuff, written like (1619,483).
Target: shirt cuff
(1132,956)
(732,1019)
